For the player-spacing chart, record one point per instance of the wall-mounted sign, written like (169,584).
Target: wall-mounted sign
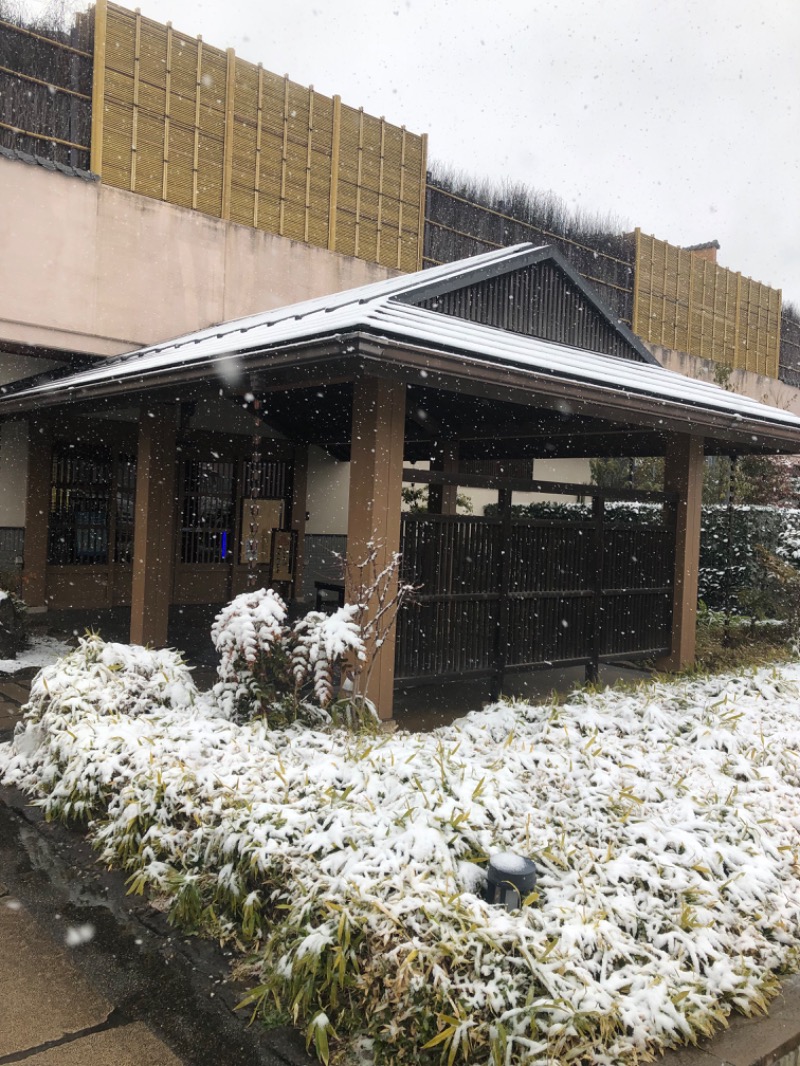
(283,555)
(259,519)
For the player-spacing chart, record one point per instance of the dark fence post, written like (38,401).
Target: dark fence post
(504,589)
(596,641)
(731,499)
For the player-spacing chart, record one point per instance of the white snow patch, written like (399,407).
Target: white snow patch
(506,862)
(42,651)
(76,935)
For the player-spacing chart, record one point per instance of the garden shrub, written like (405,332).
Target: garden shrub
(13,616)
(107,678)
(280,672)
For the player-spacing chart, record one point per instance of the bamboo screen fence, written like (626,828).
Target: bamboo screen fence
(456,227)
(45,91)
(199,127)
(790,349)
(687,303)
(668,295)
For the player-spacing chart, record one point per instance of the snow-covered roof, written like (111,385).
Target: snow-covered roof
(385,312)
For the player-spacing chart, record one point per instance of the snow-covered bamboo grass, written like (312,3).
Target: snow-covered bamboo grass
(665,823)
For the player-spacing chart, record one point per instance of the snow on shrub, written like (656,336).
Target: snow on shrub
(321,642)
(251,636)
(110,678)
(93,694)
(270,669)
(665,824)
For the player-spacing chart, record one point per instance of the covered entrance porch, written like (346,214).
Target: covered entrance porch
(506,358)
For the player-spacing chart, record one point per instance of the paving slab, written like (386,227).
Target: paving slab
(43,996)
(14,691)
(10,713)
(128,1045)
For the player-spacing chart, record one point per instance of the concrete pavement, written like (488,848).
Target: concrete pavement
(50,1015)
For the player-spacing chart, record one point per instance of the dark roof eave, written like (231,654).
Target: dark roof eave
(358,352)
(284,357)
(486,378)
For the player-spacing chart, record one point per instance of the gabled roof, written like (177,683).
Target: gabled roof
(375,306)
(387,316)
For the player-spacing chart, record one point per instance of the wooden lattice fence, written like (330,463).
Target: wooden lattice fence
(497,594)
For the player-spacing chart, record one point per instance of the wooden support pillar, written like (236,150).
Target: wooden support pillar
(442,498)
(376,480)
(37,514)
(683,474)
(299,508)
(154,525)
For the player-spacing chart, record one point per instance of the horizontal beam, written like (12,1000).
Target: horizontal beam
(520,484)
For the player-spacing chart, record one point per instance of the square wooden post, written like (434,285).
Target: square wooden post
(299,508)
(376,480)
(442,499)
(683,474)
(37,515)
(154,525)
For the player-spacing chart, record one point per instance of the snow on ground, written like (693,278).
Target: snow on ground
(42,651)
(665,824)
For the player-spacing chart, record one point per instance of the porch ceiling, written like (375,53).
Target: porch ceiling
(485,428)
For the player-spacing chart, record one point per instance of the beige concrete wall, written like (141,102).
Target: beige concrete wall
(328,493)
(13,472)
(89,268)
(573,471)
(756,386)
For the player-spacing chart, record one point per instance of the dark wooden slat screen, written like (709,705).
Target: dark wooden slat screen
(558,612)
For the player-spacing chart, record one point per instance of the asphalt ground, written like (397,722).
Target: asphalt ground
(89,974)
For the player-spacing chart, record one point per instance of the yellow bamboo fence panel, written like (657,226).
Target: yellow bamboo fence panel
(197,126)
(687,303)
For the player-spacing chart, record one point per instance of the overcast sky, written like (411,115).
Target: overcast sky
(678,116)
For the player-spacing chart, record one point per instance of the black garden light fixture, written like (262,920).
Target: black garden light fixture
(510,879)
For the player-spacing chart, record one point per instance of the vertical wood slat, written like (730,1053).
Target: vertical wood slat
(309,144)
(137,62)
(229,132)
(399,260)
(504,588)
(737,318)
(284,160)
(259,135)
(382,161)
(167,109)
(596,639)
(333,199)
(111,558)
(196,147)
(423,187)
(98,86)
(359,178)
